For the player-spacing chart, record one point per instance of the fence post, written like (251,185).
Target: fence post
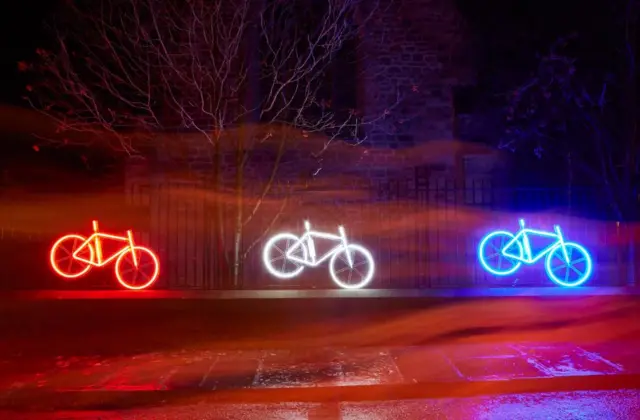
(631,254)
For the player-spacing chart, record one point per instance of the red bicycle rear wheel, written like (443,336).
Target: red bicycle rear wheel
(62,257)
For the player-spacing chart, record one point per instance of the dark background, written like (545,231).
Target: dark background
(508,32)
(509,36)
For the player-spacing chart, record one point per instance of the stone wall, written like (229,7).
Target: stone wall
(411,56)
(416,48)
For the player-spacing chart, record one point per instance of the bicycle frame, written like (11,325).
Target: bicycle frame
(97,244)
(307,239)
(523,238)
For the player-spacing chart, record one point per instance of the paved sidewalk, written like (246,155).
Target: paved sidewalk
(312,368)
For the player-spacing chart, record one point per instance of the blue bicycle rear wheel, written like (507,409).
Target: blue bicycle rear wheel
(490,253)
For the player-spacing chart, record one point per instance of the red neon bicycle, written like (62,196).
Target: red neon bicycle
(136,267)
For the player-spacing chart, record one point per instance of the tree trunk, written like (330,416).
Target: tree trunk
(237,237)
(220,260)
(251,101)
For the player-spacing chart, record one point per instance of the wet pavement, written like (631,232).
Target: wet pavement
(582,405)
(320,359)
(113,327)
(324,367)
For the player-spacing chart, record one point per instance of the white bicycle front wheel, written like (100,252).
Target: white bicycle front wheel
(355,275)
(277,254)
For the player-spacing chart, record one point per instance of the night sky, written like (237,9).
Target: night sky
(21,23)
(507,35)
(511,32)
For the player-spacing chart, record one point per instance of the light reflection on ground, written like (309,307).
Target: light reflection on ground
(585,405)
(323,367)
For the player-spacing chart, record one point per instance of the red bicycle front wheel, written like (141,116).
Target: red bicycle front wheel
(140,273)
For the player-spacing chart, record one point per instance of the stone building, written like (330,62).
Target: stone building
(416,56)
(418,49)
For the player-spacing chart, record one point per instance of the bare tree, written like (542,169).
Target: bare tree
(571,114)
(237,73)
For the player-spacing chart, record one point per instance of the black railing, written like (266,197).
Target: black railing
(423,233)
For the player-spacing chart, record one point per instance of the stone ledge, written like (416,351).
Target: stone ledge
(458,293)
(88,400)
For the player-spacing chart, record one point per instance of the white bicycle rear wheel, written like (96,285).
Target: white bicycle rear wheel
(276,260)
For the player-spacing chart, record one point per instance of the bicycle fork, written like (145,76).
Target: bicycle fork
(343,235)
(561,241)
(133,251)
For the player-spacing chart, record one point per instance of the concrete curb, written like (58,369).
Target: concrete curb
(458,293)
(105,400)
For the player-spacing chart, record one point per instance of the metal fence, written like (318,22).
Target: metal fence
(422,228)
(423,231)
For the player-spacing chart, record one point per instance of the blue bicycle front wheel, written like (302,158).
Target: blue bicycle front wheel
(572,272)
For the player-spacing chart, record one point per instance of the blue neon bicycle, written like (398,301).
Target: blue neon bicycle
(567,264)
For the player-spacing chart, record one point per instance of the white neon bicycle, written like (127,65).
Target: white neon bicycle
(285,255)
